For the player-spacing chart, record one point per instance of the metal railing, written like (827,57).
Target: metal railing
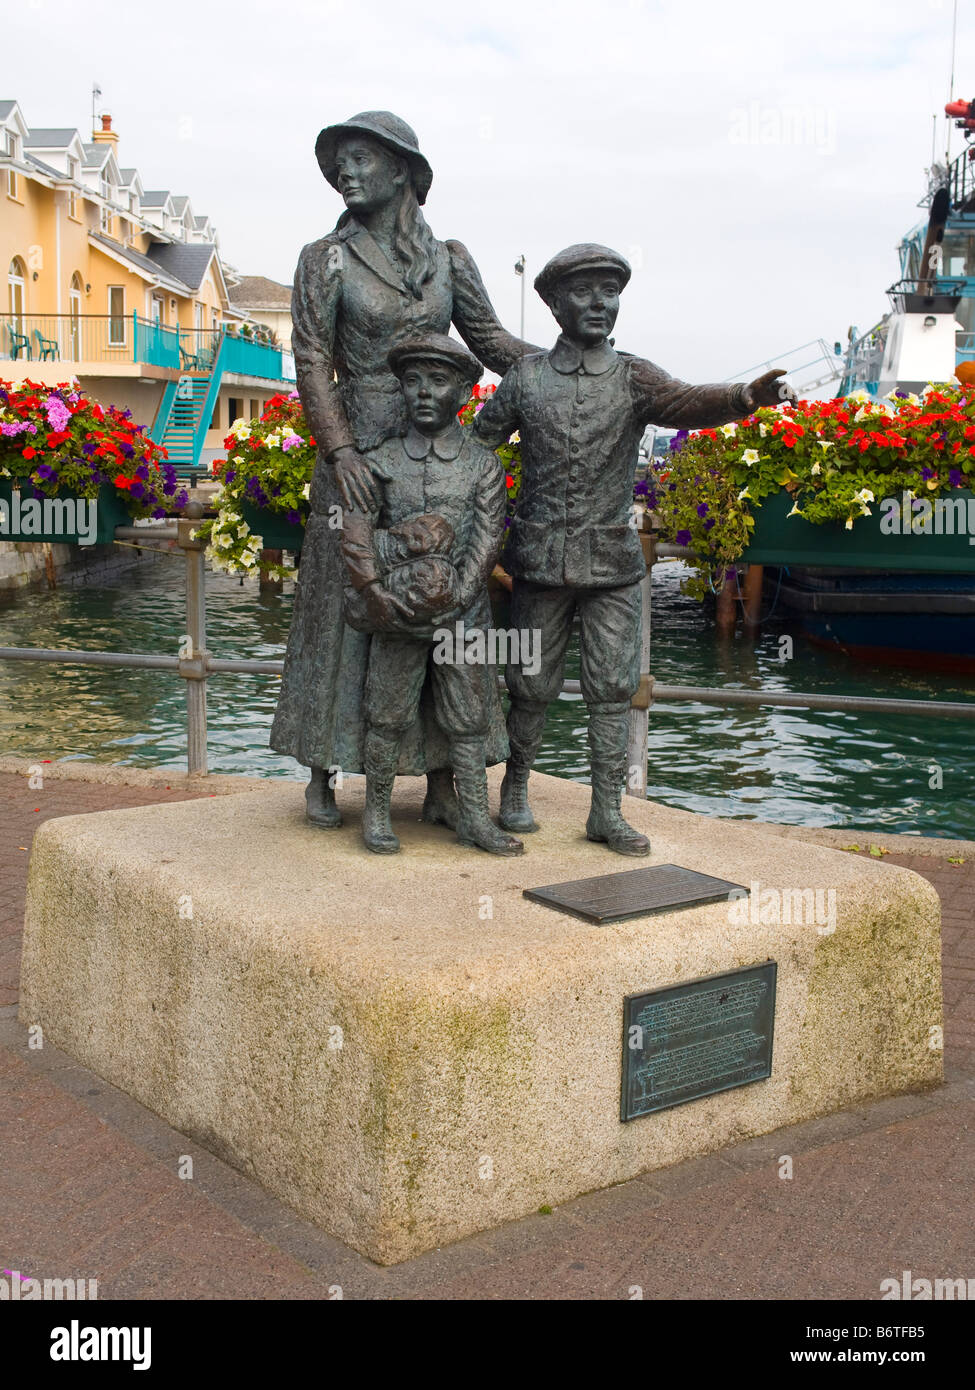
(196,665)
(121,339)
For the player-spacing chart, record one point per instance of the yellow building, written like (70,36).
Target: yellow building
(124,289)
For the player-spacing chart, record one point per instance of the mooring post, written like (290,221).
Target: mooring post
(192,652)
(637,748)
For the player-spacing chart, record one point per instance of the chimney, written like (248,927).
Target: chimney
(106,136)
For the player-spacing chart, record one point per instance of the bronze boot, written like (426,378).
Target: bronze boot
(320,807)
(440,802)
(474,824)
(607,744)
(382,754)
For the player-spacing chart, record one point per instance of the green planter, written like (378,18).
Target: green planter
(780,539)
(274,530)
(57,517)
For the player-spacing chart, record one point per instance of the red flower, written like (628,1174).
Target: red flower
(29,452)
(124,483)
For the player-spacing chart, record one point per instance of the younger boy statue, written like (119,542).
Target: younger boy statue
(417,562)
(572,548)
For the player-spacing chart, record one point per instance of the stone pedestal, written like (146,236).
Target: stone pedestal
(405,1049)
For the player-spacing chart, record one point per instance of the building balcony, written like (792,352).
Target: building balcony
(102,345)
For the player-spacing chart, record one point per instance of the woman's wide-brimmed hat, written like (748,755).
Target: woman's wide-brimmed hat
(390,131)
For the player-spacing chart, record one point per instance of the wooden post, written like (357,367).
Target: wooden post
(269,583)
(726,608)
(753,597)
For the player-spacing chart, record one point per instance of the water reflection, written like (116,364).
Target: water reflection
(795,766)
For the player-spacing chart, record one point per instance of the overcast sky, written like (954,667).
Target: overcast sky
(757,162)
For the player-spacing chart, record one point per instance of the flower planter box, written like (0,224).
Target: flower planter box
(274,530)
(55,517)
(780,539)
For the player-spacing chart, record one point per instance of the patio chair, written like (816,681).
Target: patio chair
(48,348)
(19,343)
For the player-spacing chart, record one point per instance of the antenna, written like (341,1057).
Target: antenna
(96,92)
(951,82)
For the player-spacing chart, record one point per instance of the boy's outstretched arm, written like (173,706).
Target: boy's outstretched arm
(666,400)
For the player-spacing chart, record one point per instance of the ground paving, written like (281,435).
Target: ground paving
(90,1181)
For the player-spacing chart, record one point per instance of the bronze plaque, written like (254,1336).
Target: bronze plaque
(615,897)
(694,1039)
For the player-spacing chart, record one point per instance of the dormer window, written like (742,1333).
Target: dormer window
(11,148)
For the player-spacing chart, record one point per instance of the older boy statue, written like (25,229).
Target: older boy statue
(573,549)
(419,560)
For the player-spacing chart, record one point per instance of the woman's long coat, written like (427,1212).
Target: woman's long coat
(349,307)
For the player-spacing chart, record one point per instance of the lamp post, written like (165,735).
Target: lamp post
(520,271)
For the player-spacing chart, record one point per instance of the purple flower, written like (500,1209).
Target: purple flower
(678,440)
(138,490)
(142,471)
(45,471)
(88,448)
(127,450)
(956,478)
(651,499)
(182,498)
(293,518)
(641,488)
(927,473)
(901,395)
(683,537)
(58,414)
(709,523)
(230,475)
(702,509)
(158,511)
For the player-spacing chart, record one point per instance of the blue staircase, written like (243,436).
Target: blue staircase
(181,422)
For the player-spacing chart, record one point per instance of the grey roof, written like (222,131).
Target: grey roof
(128,176)
(199,222)
(144,262)
(5,109)
(156,198)
(96,154)
(49,138)
(183,261)
(179,203)
(258,292)
(46,168)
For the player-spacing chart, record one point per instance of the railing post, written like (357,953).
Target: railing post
(637,746)
(193,653)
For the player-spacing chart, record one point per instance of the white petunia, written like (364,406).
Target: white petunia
(750,456)
(743,494)
(816,468)
(729,430)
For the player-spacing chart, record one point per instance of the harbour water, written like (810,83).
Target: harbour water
(907,775)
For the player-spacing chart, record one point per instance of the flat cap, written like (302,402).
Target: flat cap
(585,255)
(436,347)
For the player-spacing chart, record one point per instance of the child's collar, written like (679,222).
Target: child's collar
(446,445)
(567,357)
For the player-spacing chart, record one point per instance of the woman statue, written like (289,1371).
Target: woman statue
(380,277)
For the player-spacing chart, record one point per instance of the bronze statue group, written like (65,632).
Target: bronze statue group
(422,501)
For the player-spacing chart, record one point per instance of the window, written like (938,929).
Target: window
(236,409)
(116,316)
(16,286)
(73,203)
(106,220)
(10,144)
